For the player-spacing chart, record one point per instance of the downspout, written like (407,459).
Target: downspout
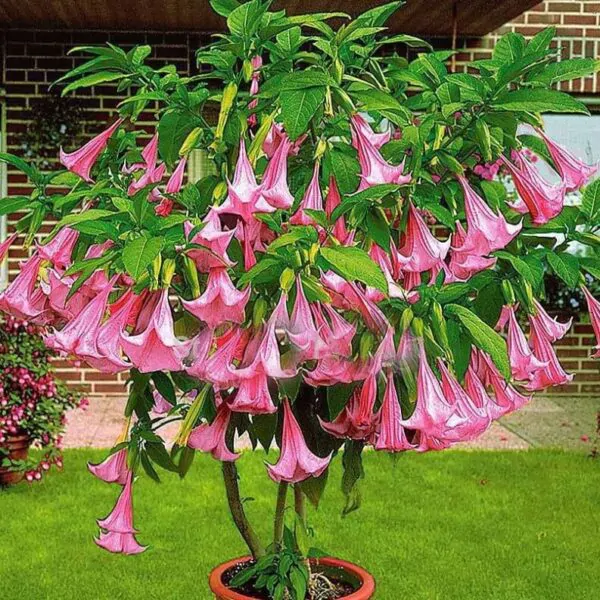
(3,165)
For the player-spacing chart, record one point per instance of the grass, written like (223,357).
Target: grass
(454,525)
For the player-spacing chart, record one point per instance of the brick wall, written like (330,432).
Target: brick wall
(32,60)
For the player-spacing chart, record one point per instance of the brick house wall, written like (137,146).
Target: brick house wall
(32,60)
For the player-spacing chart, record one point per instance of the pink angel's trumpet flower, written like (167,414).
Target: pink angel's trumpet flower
(432,410)
(463,266)
(331,370)
(506,398)
(109,351)
(486,230)
(153,173)
(363,129)
(119,543)
(113,469)
(342,294)
(6,244)
(155,347)
(375,170)
(312,200)
(261,360)
(390,435)
(594,311)
(553,373)
(200,349)
(245,197)
(81,161)
(212,438)
(176,180)
(219,367)
(56,288)
(118,532)
(427,442)
(120,520)
(220,302)
(372,315)
(542,200)
(574,172)
(214,240)
(22,298)
(60,249)
(243,234)
(332,201)
(276,191)
(296,462)
(522,361)
(546,325)
(79,336)
(469,421)
(357,420)
(476,389)
(421,250)
(161,405)
(302,331)
(276,136)
(385,262)
(337,334)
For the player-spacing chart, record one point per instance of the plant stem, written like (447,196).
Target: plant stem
(236,507)
(280,515)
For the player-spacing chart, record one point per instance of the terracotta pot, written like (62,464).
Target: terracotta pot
(348,572)
(18,447)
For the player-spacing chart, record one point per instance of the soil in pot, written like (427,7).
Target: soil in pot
(327,583)
(17,447)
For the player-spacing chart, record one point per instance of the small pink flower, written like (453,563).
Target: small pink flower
(312,200)
(113,469)
(594,311)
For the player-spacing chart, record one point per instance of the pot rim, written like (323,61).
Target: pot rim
(366,590)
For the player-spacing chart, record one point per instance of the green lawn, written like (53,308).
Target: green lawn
(451,526)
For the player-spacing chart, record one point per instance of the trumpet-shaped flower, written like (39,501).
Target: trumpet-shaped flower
(220,302)
(245,196)
(421,251)
(594,311)
(153,173)
(59,250)
(6,244)
(390,435)
(553,373)
(301,330)
(362,128)
(214,242)
(546,325)
(357,420)
(212,437)
(522,361)
(332,201)
(276,191)
(296,462)
(375,170)
(113,469)
(542,200)
(486,230)
(155,346)
(574,172)
(312,199)
(337,333)
(81,161)
(22,298)
(176,180)
(120,520)
(119,543)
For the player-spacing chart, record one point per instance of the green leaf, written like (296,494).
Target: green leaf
(224,7)
(13,204)
(566,266)
(300,80)
(245,19)
(568,69)
(482,133)
(313,487)
(267,269)
(139,253)
(540,42)
(345,169)
(91,214)
(164,386)
(538,100)
(590,205)
(20,164)
(353,473)
(298,107)
(494,192)
(295,234)
(483,336)
(409,40)
(93,79)
(376,100)
(354,264)
(173,129)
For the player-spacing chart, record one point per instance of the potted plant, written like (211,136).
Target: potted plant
(346,280)
(32,403)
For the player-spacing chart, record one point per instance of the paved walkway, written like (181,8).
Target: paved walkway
(100,425)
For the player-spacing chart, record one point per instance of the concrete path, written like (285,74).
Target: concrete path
(100,425)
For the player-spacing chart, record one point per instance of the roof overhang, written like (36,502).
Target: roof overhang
(417,17)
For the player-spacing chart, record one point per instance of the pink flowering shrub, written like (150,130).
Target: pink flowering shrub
(32,401)
(349,277)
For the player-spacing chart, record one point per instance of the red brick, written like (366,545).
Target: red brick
(546,18)
(579,19)
(564,7)
(591,7)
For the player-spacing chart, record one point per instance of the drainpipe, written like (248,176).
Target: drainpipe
(3,185)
